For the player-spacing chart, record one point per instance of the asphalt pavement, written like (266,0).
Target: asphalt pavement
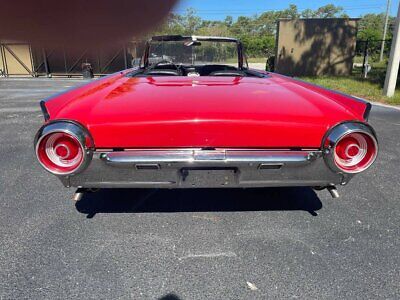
(191,244)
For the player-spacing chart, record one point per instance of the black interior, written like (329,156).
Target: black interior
(170,69)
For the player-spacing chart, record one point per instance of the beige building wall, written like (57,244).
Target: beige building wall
(16,59)
(316,47)
(20,59)
(2,65)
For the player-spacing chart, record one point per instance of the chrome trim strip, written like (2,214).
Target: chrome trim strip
(144,156)
(74,129)
(287,157)
(209,155)
(126,158)
(337,133)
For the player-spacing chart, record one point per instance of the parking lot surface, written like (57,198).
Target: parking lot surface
(191,244)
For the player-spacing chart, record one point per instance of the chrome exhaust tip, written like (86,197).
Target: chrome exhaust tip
(333,191)
(78,194)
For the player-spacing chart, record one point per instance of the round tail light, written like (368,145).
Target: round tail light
(355,152)
(350,147)
(60,153)
(61,148)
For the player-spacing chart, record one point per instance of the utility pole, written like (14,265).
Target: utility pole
(385,30)
(394,60)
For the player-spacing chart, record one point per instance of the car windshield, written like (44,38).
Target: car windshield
(189,52)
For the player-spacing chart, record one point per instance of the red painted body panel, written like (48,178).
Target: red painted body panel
(273,112)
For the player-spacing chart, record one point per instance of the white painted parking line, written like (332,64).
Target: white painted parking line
(32,90)
(46,79)
(19,109)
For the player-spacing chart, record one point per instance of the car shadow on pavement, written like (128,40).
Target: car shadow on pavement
(198,200)
(169,297)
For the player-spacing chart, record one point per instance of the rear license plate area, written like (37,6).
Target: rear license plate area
(208,177)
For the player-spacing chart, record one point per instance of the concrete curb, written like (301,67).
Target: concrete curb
(386,105)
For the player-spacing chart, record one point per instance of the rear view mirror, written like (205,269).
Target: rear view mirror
(192,43)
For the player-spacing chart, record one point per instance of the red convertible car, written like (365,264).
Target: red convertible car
(193,115)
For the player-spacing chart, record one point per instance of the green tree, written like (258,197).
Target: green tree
(329,11)
(290,13)
(228,21)
(371,27)
(308,13)
(191,21)
(258,32)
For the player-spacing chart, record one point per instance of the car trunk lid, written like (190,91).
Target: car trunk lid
(182,112)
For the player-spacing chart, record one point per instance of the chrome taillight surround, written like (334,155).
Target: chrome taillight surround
(340,132)
(77,132)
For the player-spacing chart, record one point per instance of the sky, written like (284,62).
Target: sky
(219,9)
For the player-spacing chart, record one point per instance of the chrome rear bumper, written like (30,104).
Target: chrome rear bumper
(196,168)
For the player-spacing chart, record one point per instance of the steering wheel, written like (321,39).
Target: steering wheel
(165,62)
(160,71)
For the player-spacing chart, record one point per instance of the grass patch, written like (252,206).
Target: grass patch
(257,60)
(369,89)
(249,60)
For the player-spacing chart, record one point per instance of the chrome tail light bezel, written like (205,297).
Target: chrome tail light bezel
(77,131)
(340,131)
